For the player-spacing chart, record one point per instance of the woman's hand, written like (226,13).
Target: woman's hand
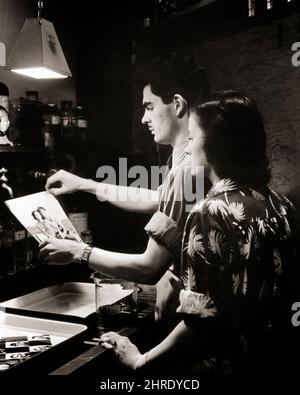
(68,183)
(61,252)
(126,352)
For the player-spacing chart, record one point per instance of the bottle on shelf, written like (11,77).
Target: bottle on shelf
(1,248)
(55,122)
(41,176)
(78,215)
(67,119)
(87,237)
(52,127)
(49,143)
(82,123)
(31,121)
(73,127)
(37,179)
(20,247)
(7,266)
(32,252)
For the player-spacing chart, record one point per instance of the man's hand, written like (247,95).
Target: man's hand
(68,183)
(61,252)
(126,352)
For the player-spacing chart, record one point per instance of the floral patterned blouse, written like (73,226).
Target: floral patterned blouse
(237,245)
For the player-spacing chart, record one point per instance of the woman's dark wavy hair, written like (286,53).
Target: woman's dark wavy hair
(174,74)
(235,138)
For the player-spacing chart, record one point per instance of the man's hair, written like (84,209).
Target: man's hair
(235,138)
(176,75)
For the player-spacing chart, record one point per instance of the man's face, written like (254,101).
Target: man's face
(160,118)
(195,146)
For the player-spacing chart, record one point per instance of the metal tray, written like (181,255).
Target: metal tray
(12,325)
(67,301)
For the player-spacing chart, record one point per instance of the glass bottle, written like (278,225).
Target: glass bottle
(66,114)
(1,248)
(48,137)
(52,127)
(78,214)
(82,123)
(8,247)
(31,121)
(19,256)
(41,176)
(32,252)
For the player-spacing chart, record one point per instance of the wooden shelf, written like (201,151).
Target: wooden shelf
(6,148)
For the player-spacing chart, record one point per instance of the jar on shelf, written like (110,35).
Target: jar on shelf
(67,123)
(66,114)
(52,127)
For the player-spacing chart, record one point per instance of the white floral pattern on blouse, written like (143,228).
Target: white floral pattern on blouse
(236,245)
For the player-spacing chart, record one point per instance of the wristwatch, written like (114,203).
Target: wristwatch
(85,257)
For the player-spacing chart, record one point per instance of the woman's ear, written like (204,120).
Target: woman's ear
(181,106)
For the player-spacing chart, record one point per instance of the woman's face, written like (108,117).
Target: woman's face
(37,216)
(195,146)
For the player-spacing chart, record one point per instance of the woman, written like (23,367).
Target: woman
(236,249)
(44,225)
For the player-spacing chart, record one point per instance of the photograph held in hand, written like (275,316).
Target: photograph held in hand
(42,215)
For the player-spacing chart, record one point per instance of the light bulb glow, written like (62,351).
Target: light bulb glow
(39,73)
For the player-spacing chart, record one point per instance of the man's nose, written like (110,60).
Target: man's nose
(145,119)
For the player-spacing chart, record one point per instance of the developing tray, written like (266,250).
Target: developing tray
(61,334)
(70,301)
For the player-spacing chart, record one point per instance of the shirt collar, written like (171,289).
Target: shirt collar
(178,153)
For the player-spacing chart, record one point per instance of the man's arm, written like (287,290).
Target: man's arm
(132,199)
(146,268)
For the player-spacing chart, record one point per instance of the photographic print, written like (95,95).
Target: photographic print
(42,215)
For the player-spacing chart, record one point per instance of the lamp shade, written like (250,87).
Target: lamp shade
(37,52)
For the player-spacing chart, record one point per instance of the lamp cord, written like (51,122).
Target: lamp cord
(40,10)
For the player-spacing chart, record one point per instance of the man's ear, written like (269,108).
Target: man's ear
(181,106)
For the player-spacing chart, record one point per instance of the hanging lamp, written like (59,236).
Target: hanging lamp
(37,52)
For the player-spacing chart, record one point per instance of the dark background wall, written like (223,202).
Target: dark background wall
(106,47)
(252,55)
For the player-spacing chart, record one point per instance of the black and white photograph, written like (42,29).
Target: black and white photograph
(150,194)
(43,217)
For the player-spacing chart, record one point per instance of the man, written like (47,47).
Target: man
(170,88)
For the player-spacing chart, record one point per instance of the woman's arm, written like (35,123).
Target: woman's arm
(182,345)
